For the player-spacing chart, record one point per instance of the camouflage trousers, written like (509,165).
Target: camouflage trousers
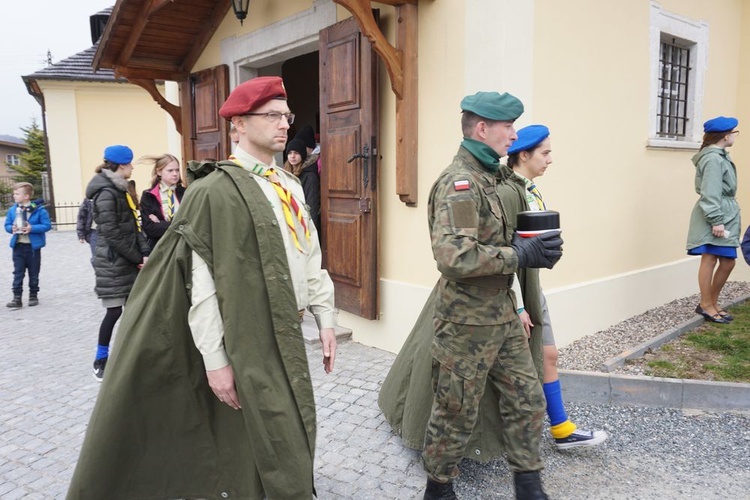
(466,360)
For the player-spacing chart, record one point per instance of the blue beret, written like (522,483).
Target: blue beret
(493,106)
(720,124)
(121,155)
(528,138)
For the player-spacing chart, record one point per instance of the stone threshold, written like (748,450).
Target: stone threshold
(311,335)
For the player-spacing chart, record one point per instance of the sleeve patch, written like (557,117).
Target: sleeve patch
(464,214)
(462,185)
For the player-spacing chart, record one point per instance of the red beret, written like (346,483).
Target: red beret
(251,95)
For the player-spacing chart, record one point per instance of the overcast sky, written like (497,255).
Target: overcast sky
(29,30)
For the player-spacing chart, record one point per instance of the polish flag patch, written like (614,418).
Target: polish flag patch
(461,185)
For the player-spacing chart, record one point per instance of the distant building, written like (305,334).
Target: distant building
(84,111)
(11,149)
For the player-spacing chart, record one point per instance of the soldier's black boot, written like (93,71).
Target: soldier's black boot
(529,486)
(33,300)
(15,303)
(439,491)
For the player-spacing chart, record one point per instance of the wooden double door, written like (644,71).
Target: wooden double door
(349,156)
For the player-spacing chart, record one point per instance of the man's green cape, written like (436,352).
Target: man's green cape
(157,430)
(406,395)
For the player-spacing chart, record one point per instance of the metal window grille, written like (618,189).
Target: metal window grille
(674,66)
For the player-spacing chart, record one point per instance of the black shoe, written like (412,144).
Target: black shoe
(99,365)
(529,486)
(33,300)
(726,315)
(716,318)
(15,303)
(439,491)
(581,438)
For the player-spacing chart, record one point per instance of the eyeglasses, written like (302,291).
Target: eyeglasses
(275,116)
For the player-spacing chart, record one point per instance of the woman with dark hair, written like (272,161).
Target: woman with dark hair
(296,163)
(715,221)
(160,202)
(121,250)
(529,157)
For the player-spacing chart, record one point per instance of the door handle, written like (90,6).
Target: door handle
(365,155)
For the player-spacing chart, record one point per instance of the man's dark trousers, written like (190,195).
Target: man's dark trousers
(25,258)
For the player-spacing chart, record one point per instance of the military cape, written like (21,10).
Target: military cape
(157,431)
(406,394)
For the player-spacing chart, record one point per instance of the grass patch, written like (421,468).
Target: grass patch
(710,352)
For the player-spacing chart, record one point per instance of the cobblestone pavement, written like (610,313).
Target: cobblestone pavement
(47,393)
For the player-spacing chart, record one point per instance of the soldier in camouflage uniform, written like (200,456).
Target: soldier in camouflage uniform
(478,337)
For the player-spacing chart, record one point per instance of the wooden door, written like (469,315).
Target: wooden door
(349,174)
(206,134)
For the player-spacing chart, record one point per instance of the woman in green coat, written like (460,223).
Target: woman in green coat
(715,221)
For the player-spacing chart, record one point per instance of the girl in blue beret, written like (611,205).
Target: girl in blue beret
(529,157)
(715,221)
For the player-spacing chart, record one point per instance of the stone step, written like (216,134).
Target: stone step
(311,334)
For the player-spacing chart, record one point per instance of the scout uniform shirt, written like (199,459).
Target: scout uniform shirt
(313,287)
(536,203)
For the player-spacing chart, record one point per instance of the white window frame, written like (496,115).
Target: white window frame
(686,31)
(12,160)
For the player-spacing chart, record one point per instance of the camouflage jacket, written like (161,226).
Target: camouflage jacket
(470,242)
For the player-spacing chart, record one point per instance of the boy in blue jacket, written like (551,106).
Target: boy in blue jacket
(28,223)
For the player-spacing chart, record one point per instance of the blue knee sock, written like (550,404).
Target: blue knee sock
(102,351)
(555,407)
(560,426)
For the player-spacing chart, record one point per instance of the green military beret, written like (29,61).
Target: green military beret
(493,106)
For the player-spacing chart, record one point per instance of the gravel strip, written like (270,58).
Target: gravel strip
(651,453)
(591,351)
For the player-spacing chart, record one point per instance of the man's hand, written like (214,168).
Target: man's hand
(526,322)
(153,218)
(328,339)
(543,250)
(221,381)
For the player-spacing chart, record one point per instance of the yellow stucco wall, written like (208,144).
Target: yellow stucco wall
(624,206)
(84,118)
(261,13)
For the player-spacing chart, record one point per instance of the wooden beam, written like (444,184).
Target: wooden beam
(401,63)
(174,111)
(143,72)
(397,3)
(209,28)
(407,110)
(362,12)
(157,5)
(137,30)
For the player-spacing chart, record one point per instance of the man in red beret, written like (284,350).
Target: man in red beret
(226,411)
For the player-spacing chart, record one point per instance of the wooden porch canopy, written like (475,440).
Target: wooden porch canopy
(149,40)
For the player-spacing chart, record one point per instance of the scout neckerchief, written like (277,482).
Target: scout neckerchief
(289,204)
(170,204)
(133,209)
(167,202)
(487,156)
(533,196)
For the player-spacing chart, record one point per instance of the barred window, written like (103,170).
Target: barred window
(12,160)
(674,71)
(678,47)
